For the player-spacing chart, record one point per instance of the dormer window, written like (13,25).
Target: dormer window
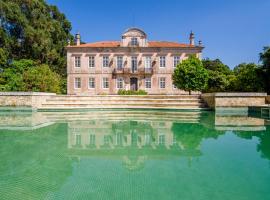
(134,41)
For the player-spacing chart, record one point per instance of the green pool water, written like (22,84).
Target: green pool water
(127,154)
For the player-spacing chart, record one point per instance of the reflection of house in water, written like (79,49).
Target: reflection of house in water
(111,134)
(133,142)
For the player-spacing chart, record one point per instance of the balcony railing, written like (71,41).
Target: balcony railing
(128,70)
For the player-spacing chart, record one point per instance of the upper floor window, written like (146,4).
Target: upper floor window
(120,83)
(147,61)
(134,41)
(162,82)
(77,61)
(105,61)
(119,62)
(91,83)
(77,83)
(134,63)
(176,61)
(148,83)
(162,61)
(91,61)
(105,83)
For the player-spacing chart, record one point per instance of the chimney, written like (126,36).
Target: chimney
(78,39)
(191,38)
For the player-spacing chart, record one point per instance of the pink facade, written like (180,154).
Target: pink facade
(134,63)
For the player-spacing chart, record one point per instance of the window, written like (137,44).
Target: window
(176,60)
(105,82)
(105,61)
(78,139)
(148,83)
(120,83)
(161,139)
(147,62)
(91,83)
(78,83)
(162,61)
(134,63)
(162,83)
(119,62)
(134,41)
(77,61)
(91,61)
(92,139)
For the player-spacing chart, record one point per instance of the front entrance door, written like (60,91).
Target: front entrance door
(134,84)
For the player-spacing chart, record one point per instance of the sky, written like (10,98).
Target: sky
(234,31)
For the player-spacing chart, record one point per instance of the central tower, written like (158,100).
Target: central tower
(133,37)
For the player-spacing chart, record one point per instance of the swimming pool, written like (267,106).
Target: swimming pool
(134,154)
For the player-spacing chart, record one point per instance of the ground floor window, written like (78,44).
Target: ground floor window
(105,82)
(162,82)
(91,83)
(120,83)
(148,83)
(78,83)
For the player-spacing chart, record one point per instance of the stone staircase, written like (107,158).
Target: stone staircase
(116,101)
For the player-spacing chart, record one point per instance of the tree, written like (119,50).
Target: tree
(190,75)
(41,79)
(218,75)
(248,78)
(27,75)
(34,30)
(265,59)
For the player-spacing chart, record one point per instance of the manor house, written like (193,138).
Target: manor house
(133,63)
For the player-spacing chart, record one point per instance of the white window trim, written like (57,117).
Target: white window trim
(159,82)
(174,66)
(94,83)
(75,83)
(150,83)
(102,83)
(89,62)
(122,64)
(122,83)
(160,62)
(146,66)
(75,61)
(103,62)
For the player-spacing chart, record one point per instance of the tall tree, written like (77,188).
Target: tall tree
(265,58)
(34,30)
(219,74)
(190,75)
(248,78)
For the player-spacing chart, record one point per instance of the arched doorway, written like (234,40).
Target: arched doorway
(133,84)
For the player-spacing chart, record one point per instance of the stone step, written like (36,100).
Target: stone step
(153,106)
(142,101)
(112,97)
(124,103)
(124,100)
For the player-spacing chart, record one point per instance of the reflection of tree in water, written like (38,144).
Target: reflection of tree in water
(264,140)
(33,159)
(191,135)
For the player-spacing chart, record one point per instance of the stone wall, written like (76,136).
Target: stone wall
(23,99)
(223,100)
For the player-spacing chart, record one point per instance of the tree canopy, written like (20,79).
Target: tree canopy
(33,30)
(218,75)
(27,75)
(248,78)
(190,75)
(265,59)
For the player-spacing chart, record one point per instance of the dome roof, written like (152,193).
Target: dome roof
(133,30)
